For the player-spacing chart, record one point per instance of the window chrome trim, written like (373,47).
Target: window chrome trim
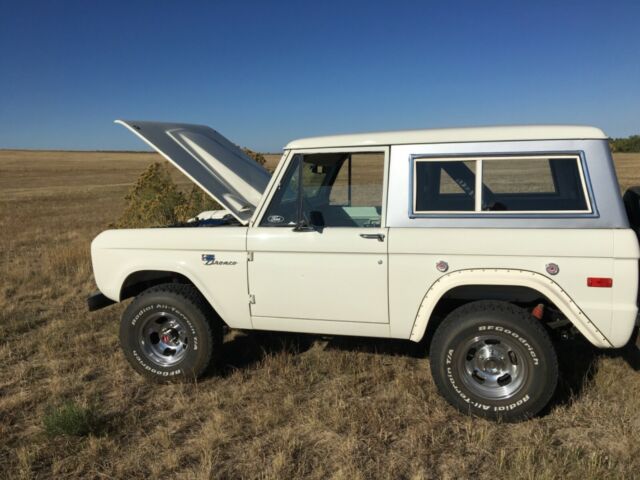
(585,180)
(283,166)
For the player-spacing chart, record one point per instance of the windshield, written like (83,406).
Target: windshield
(329,189)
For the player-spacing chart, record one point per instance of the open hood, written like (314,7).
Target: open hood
(218,166)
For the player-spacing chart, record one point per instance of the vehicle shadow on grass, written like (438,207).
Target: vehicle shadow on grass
(630,352)
(578,364)
(576,357)
(379,346)
(244,349)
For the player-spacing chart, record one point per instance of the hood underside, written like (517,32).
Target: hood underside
(217,165)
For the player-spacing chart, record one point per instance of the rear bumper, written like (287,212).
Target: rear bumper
(97,300)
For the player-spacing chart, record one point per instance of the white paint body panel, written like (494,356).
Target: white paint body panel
(336,282)
(335,275)
(116,254)
(509,257)
(450,135)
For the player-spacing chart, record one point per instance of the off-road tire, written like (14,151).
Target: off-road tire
(512,359)
(197,336)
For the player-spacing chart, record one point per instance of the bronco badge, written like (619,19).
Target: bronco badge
(210,259)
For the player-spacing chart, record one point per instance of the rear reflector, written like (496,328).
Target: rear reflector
(600,282)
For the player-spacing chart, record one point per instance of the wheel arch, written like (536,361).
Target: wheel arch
(509,278)
(136,281)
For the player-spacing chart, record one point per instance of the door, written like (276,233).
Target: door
(319,249)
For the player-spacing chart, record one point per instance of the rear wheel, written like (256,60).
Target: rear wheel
(169,332)
(493,359)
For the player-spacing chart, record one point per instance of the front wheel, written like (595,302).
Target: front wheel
(493,359)
(169,332)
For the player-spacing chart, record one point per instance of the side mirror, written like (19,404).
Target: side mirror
(315,223)
(317,219)
(304,227)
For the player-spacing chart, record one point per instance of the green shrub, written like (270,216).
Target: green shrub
(258,157)
(153,200)
(70,419)
(156,201)
(630,144)
(195,202)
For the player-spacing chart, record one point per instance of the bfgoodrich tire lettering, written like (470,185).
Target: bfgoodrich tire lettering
(169,332)
(493,359)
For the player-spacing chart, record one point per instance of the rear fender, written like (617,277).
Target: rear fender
(507,277)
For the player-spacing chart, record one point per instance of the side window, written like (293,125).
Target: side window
(444,186)
(532,184)
(336,190)
(518,176)
(282,210)
(509,184)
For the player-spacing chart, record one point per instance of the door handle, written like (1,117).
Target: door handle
(372,236)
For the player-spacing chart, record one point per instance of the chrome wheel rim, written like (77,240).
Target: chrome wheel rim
(163,339)
(493,367)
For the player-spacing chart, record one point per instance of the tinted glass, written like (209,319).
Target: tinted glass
(445,186)
(532,184)
(527,184)
(338,190)
(282,210)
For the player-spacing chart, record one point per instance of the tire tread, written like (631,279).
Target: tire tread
(188,294)
(526,321)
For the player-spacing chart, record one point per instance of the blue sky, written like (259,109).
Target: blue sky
(263,73)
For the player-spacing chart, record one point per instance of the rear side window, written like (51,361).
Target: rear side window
(527,184)
(533,185)
(445,186)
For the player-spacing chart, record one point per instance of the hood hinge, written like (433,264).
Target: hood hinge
(250,256)
(252,299)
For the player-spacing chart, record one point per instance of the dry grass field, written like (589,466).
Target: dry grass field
(279,406)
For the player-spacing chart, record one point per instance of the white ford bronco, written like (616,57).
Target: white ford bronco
(488,241)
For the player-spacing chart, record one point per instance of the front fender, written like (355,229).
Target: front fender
(507,277)
(118,254)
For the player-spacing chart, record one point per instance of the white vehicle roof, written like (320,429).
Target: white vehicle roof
(453,135)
